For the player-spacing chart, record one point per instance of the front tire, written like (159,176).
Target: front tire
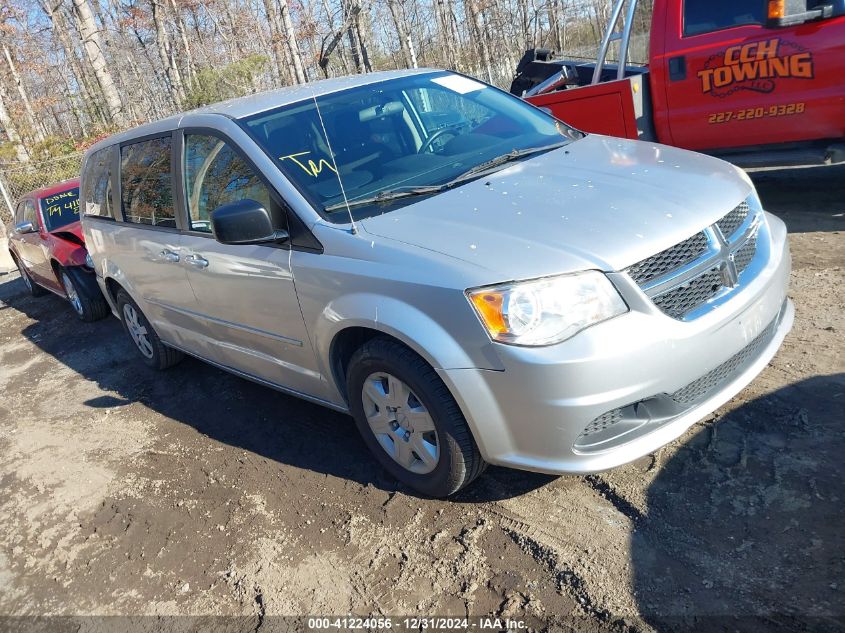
(154,353)
(88,304)
(409,420)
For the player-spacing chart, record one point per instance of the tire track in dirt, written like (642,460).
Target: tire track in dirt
(585,558)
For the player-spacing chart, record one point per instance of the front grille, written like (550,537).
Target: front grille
(604,421)
(671,259)
(682,300)
(745,254)
(678,288)
(712,380)
(733,220)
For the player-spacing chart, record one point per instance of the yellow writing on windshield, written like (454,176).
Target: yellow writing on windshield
(59,196)
(57,209)
(309,166)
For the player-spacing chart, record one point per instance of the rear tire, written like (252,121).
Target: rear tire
(154,353)
(33,288)
(409,419)
(88,303)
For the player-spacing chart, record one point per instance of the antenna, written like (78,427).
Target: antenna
(334,162)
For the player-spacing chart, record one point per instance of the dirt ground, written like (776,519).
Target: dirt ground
(128,492)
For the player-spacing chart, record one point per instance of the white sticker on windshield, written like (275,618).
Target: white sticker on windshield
(456,83)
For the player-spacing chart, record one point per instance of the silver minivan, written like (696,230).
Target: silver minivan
(471,279)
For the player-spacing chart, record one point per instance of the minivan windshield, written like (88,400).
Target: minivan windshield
(383,144)
(61,208)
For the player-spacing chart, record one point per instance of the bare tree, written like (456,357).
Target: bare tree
(479,34)
(94,50)
(403,30)
(293,47)
(183,36)
(277,40)
(165,51)
(10,129)
(38,130)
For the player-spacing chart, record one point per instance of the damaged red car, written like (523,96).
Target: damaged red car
(48,248)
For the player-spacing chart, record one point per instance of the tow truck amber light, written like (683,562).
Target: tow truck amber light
(776,9)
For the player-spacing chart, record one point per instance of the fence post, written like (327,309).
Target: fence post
(6,197)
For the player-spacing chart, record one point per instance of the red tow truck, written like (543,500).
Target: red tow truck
(757,82)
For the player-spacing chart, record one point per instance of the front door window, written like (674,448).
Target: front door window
(215,174)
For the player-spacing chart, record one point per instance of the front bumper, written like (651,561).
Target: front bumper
(626,387)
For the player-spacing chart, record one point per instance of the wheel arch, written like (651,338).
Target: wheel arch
(352,320)
(344,344)
(112,288)
(57,269)
(113,280)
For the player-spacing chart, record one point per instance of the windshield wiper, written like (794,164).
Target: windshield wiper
(386,196)
(511,156)
(474,172)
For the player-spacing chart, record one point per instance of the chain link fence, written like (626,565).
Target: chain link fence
(17,179)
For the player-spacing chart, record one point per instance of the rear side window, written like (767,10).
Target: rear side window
(60,209)
(146,185)
(96,185)
(705,16)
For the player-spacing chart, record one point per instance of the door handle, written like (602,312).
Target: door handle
(196,260)
(169,256)
(677,68)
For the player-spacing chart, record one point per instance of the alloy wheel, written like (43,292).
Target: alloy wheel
(71,293)
(137,330)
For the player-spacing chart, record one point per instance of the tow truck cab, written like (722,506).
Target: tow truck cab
(753,81)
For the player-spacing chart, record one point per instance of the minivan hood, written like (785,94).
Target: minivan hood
(599,203)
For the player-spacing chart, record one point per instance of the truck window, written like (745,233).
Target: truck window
(706,16)
(96,185)
(146,185)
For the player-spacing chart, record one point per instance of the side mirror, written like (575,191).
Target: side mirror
(24,227)
(244,222)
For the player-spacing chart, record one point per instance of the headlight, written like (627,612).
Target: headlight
(88,261)
(546,311)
